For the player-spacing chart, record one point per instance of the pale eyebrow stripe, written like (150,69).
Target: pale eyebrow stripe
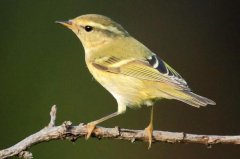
(110,28)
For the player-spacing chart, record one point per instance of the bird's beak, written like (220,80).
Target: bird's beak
(65,23)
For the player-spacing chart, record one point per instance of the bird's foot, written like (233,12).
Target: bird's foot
(148,133)
(90,127)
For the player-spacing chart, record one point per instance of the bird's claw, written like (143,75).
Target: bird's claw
(148,132)
(90,128)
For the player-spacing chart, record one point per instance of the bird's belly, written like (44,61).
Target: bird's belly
(125,89)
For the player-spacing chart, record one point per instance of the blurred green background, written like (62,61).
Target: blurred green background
(42,63)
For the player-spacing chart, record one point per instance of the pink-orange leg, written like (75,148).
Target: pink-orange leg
(91,126)
(149,129)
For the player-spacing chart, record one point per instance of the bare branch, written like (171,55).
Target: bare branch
(53,114)
(69,132)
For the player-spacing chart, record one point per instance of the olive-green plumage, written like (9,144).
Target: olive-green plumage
(133,74)
(121,64)
(133,80)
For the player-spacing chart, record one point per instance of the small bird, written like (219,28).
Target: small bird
(132,73)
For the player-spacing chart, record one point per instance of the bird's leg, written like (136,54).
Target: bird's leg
(149,129)
(91,126)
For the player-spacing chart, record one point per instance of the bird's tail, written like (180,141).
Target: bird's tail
(190,98)
(197,100)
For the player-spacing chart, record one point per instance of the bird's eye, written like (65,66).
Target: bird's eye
(88,28)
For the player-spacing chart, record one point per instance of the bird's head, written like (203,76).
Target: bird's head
(94,30)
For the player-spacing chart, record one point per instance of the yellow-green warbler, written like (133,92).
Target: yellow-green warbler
(132,73)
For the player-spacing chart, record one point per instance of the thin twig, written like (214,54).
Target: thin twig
(72,133)
(53,114)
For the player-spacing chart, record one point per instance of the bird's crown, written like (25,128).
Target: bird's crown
(99,22)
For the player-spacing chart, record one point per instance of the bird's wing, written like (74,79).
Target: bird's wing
(152,69)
